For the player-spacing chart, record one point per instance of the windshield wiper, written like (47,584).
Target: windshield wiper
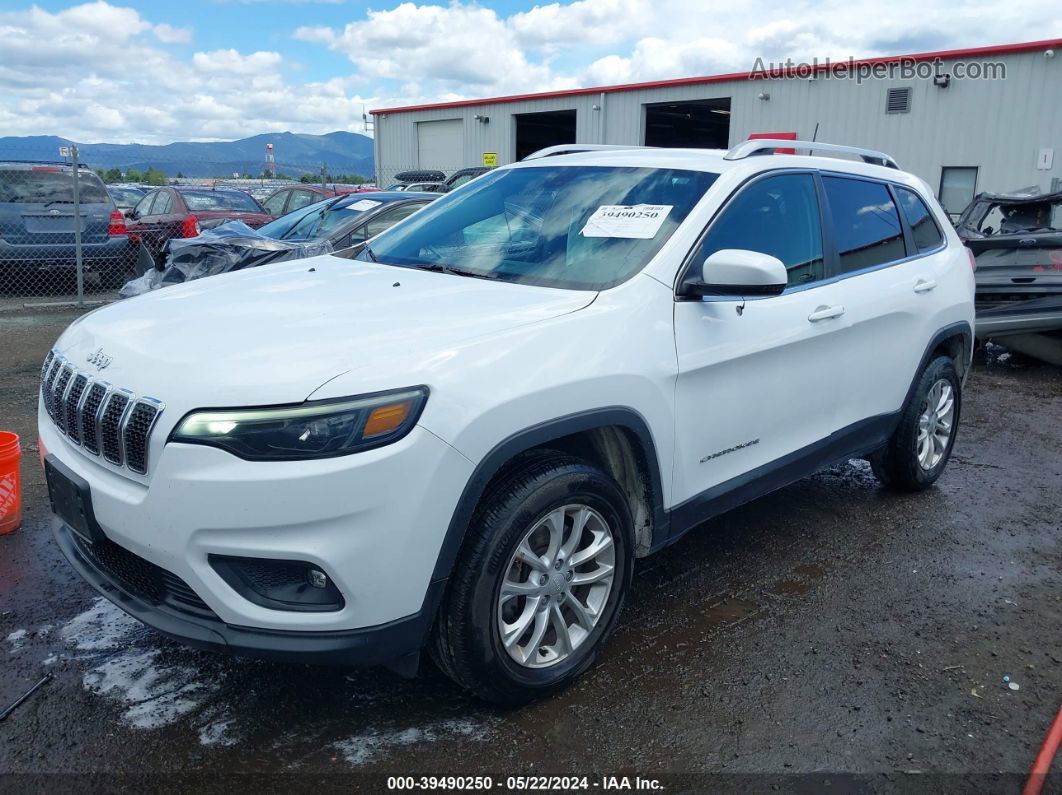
(372,256)
(438,267)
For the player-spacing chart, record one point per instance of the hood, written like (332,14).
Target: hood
(275,334)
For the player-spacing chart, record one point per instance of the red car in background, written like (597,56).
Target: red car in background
(180,211)
(293,197)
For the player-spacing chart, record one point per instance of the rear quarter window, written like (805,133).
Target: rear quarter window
(924,229)
(866,224)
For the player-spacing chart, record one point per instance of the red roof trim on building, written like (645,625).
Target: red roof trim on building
(973,52)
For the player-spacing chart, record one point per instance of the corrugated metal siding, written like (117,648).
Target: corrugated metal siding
(998,126)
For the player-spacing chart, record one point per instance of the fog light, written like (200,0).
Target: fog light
(279,584)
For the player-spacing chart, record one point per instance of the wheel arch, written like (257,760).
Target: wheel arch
(616,438)
(954,341)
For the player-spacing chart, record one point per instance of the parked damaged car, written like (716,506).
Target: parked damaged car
(1016,239)
(331,225)
(435,181)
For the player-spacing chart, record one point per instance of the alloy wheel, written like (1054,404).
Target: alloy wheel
(935,424)
(556,586)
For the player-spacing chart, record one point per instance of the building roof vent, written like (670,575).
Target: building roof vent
(898,100)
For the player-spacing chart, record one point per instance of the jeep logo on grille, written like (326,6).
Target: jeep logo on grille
(99,358)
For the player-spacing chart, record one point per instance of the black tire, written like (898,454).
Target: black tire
(897,465)
(466,642)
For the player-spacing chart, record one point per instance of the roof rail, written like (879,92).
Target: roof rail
(571,149)
(766,146)
(41,162)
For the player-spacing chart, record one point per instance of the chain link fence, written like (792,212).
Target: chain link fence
(74,229)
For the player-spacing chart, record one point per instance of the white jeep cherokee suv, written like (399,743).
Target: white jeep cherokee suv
(462,435)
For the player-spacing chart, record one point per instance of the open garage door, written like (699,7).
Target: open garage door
(536,131)
(701,123)
(440,144)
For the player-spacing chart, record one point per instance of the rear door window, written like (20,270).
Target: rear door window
(924,229)
(143,207)
(301,198)
(866,225)
(163,203)
(274,205)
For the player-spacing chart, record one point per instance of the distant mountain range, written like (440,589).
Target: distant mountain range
(296,154)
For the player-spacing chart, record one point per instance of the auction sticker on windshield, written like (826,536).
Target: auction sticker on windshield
(639,221)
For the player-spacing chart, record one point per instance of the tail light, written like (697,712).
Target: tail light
(190,226)
(973,259)
(116,226)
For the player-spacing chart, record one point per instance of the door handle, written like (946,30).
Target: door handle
(923,286)
(826,313)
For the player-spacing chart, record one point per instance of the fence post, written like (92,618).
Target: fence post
(77,231)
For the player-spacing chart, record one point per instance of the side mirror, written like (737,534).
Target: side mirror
(130,213)
(739,272)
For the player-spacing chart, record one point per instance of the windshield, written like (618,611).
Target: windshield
(48,184)
(207,200)
(575,227)
(328,217)
(279,228)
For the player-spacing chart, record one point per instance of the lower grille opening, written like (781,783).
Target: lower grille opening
(141,577)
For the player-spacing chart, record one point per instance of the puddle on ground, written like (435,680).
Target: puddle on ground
(157,684)
(791,588)
(806,574)
(810,570)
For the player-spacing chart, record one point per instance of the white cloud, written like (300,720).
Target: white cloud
(582,22)
(110,72)
(168,34)
(231,62)
(104,77)
(464,47)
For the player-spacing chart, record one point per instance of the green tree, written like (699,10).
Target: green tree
(133,175)
(154,177)
(113,175)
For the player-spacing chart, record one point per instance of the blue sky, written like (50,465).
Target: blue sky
(108,70)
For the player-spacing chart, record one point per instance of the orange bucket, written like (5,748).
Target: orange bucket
(10,483)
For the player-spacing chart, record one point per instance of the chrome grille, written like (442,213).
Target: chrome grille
(89,410)
(104,420)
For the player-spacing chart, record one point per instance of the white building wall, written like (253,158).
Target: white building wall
(998,126)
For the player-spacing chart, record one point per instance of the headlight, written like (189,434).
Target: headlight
(320,429)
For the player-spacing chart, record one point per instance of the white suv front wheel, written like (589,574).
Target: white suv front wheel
(540,581)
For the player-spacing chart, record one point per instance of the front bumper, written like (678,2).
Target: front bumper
(374,522)
(366,646)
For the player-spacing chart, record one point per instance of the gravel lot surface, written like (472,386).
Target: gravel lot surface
(831,628)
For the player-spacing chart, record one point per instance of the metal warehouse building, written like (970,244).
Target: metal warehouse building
(996,132)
